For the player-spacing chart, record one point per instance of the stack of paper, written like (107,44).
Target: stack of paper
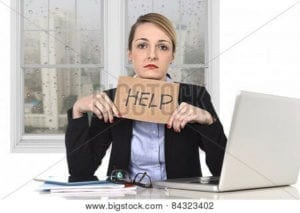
(87,188)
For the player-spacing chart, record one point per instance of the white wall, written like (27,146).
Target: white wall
(267,61)
(260,50)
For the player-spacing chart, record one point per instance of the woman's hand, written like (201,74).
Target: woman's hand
(100,104)
(186,113)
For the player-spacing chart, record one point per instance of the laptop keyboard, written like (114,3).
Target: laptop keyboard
(207,180)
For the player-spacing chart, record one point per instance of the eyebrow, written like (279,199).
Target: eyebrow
(144,39)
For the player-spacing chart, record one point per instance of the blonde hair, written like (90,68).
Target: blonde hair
(160,21)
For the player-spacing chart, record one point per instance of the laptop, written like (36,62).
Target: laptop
(263,147)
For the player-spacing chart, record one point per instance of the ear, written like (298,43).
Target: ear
(129,55)
(172,59)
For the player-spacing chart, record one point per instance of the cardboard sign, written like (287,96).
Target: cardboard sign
(146,100)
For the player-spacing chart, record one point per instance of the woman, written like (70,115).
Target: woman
(163,151)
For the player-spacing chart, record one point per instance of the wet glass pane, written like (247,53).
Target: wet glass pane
(193,29)
(63,47)
(169,9)
(80,47)
(91,47)
(62,14)
(35,14)
(49,93)
(35,47)
(89,14)
(188,75)
(136,8)
(64,43)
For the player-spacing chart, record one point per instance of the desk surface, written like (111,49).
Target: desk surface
(285,193)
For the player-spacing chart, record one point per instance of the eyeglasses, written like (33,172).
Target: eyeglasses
(122,177)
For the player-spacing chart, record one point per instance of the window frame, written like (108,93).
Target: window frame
(113,24)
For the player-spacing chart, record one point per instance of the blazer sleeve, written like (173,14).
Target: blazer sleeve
(86,145)
(212,138)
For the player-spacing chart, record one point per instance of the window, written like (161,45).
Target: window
(66,49)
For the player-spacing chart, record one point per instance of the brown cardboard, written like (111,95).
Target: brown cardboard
(145,99)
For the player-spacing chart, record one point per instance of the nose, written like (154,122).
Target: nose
(152,55)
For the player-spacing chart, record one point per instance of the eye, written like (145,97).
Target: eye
(163,47)
(142,46)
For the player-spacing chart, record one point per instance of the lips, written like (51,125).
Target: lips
(151,66)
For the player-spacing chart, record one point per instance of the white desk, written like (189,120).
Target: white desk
(285,193)
(27,199)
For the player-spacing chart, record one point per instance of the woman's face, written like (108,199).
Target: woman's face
(151,52)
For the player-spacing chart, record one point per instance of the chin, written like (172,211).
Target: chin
(153,77)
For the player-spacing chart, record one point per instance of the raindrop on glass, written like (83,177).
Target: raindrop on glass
(30,11)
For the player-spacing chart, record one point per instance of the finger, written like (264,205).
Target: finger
(114,109)
(109,112)
(176,125)
(97,112)
(103,111)
(181,118)
(171,119)
(176,122)
(105,107)
(93,108)
(108,105)
(182,106)
(184,122)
